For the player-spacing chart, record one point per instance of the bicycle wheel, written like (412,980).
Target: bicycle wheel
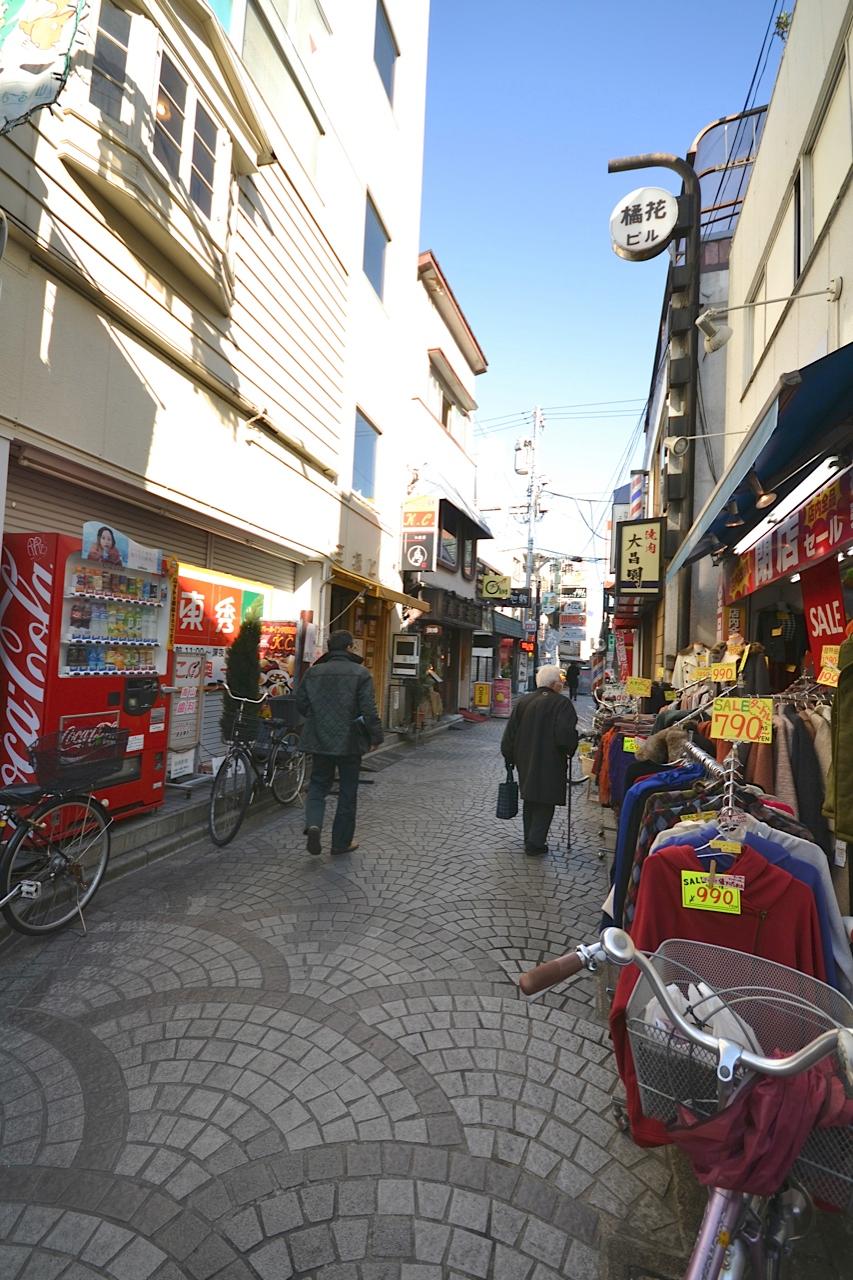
(59,854)
(229,800)
(288,770)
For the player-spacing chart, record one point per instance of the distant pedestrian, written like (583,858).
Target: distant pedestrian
(540,737)
(573,675)
(341,723)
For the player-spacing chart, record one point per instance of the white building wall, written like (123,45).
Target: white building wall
(807,140)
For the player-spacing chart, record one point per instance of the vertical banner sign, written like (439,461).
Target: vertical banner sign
(621,655)
(36,37)
(823,602)
(639,565)
(638,494)
(278,657)
(420,534)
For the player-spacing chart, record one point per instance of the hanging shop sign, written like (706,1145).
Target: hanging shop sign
(639,558)
(35,56)
(823,606)
(512,597)
(420,533)
(210,607)
(820,527)
(742,720)
(643,223)
(496,586)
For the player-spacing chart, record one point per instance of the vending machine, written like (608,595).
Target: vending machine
(85,641)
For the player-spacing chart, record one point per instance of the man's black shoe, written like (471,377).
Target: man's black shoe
(534,851)
(314,840)
(351,849)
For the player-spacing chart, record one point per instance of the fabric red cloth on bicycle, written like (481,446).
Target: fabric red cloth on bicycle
(778,921)
(752,1145)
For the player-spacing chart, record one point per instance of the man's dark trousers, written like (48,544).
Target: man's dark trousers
(322,777)
(537,821)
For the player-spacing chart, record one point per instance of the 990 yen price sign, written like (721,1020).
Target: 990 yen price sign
(742,719)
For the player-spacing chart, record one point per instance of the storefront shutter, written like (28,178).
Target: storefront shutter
(39,502)
(241,561)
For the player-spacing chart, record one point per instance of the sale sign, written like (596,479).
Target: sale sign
(724,672)
(699,893)
(742,720)
(636,687)
(823,605)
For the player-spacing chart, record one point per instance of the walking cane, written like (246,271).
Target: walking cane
(569,808)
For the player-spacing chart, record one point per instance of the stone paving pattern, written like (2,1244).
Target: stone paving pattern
(259,1064)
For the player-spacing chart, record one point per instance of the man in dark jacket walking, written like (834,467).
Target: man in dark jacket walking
(572,680)
(341,723)
(540,737)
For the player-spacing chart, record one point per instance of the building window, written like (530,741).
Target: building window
(448,546)
(831,154)
(171,106)
(204,161)
(178,111)
(376,240)
(109,63)
(364,457)
(385,51)
(446,412)
(798,226)
(469,558)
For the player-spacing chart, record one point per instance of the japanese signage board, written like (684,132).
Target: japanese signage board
(210,607)
(820,527)
(35,56)
(742,719)
(642,224)
(639,558)
(278,657)
(496,586)
(482,695)
(185,718)
(637,687)
(420,533)
(515,598)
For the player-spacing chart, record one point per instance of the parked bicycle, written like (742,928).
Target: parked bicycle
(680,1061)
(261,753)
(55,859)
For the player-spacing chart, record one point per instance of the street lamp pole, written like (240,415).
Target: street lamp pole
(685,283)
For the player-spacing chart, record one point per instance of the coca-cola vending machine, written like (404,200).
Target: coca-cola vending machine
(85,641)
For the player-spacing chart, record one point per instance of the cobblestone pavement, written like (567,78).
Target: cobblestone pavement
(262,1065)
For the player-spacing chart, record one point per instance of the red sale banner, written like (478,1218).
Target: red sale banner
(823,603)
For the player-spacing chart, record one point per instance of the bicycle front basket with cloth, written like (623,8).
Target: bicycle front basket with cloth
(768,1008)
(77,758)
(240,720)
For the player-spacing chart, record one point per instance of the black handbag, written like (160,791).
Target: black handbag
(507,806)
(363,737)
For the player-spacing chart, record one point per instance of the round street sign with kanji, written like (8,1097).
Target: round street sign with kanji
(643,223)
(417,556)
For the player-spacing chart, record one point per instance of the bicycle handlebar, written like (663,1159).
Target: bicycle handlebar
(615,945)
(254,701)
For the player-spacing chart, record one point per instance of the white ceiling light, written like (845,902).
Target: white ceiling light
(816,480)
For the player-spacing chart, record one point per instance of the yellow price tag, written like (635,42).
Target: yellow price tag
(724,846)
(829,655)
(707,816)
(696,892)
(744,656)
(742,719)
(724,672)
(829,676)
(630,745)
(636,687)
(702,673)
(670,695)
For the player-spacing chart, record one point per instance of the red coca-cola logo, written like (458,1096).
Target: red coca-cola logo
(24,628)
(82,737)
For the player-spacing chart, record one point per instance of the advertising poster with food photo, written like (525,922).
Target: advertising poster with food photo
(278,657)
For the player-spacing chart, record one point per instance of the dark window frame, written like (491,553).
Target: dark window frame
(384,46)
(363,426)
(469,558)
(449,526)
(108,41)
(798,225)
(367,265)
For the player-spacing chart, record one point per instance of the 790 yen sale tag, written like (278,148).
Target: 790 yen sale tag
(742,719)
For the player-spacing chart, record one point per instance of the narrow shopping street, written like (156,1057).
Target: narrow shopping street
(259,1064)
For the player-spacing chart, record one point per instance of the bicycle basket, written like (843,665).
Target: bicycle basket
(240,720)
(784,1010)
(79,759)
(284,711)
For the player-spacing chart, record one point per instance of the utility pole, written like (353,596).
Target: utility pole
(532,501)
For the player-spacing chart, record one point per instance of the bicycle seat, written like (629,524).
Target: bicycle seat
(17,797)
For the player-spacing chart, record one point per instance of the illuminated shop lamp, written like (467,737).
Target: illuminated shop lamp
(764,498)
(734,519)
(823,472)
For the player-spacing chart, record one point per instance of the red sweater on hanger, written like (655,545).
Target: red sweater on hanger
(778,921)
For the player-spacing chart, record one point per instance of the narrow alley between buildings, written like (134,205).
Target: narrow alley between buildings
(259,1064)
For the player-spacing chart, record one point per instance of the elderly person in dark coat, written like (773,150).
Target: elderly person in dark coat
(539,739)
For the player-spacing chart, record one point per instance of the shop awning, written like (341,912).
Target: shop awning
(434,483)
(808,416)
(506,626)
(355,582)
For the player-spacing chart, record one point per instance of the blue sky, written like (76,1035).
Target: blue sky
(526,104)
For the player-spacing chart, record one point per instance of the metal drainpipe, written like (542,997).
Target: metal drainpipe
(662,160)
